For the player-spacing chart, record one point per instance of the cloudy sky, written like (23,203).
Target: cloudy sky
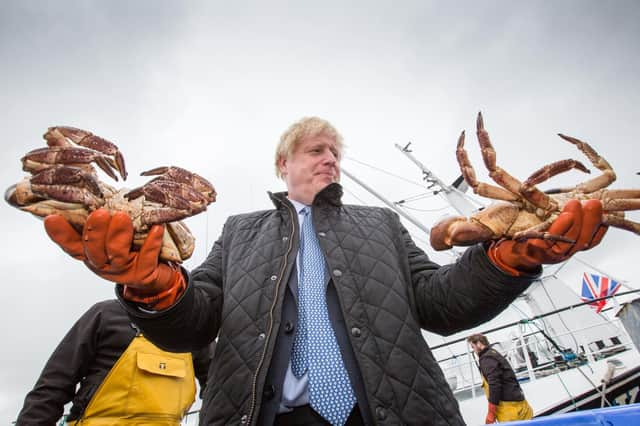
(211,85)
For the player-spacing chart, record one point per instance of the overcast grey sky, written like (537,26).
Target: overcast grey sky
(211,85)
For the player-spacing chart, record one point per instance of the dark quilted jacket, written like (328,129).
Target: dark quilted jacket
(388,290)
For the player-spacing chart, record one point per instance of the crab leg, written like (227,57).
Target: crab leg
(67,175)
(185,241)
(617,199)
(498,174)
(607,177)
(539,231)
(504,179)
(541,199)
(68,184)
(75,213)
(547,172)
(469,174)
(621,204)
(622,223)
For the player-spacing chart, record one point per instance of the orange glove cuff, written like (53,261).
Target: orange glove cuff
(158,298)
(495,254)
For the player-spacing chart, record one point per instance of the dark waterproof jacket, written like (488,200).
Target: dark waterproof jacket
(84,356)
(388,290)
(496,370)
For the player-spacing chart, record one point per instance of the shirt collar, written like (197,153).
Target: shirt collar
(297,205)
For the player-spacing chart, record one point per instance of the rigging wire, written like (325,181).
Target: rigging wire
(601,272)
(206,238)
(354,195)
(415,237)
(422,240)
(559,376)
(417,197)
(573,337)
(595,387)
(573,400)
(425,210)
(385,172)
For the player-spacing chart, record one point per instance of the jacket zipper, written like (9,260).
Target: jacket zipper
(273,305)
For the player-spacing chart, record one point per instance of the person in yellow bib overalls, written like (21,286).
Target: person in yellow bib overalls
(506,399)
(123,378)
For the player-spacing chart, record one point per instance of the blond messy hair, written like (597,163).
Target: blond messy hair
(304,128)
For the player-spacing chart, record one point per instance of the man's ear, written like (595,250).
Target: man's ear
(282,165)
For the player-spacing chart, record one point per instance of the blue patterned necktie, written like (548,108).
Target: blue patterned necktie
(315,348)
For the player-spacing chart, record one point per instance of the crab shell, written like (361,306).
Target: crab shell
(498,220)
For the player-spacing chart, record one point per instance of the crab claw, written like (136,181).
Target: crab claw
(10,196)
(61,135)
(457,231)
(68,184)
(44,158)
(181,175)
(178,200)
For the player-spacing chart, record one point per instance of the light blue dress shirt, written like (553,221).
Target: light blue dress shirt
(295,391)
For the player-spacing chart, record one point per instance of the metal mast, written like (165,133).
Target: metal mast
(379,196)
(451,194)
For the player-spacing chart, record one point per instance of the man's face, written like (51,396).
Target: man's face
(314,164)
(477,347)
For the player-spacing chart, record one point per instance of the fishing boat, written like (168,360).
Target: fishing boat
(572,338)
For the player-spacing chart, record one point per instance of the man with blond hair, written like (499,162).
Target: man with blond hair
(318,306)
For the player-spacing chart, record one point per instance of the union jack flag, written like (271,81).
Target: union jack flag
(597,286)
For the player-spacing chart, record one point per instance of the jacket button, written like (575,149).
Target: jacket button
(274,277)
(322,234)
(337,273)
(269,392)
(285,239)
(381,413)
(261,336)
(355,332)
(243,419)
(288,327)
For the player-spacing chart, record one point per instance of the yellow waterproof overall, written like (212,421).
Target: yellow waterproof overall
(510,410)
(146,386)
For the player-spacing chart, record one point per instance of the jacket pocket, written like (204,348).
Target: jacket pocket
(158,384)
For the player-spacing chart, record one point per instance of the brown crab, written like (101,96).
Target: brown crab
(524,211)
(64,181)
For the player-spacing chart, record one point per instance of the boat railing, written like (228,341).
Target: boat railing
(536,355)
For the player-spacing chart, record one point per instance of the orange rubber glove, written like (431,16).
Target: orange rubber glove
(491,414)
(578,222)
(106,248)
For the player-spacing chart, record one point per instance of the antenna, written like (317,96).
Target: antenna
(450,193)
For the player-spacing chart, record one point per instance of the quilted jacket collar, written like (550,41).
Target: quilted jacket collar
(331,195)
